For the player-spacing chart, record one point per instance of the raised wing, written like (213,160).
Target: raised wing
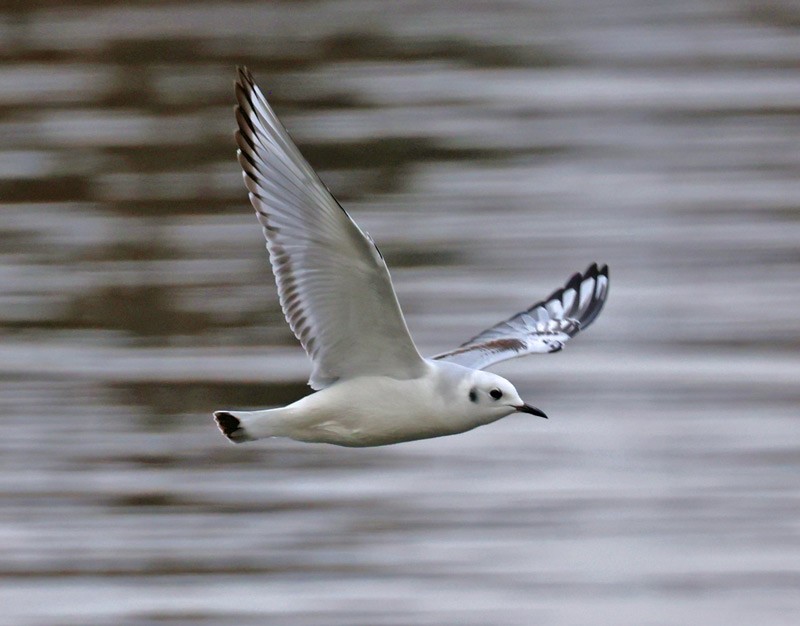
(333,283)
(544,327)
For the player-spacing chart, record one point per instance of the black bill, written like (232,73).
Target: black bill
(527,408)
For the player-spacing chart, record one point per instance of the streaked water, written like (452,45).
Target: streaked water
(491,150)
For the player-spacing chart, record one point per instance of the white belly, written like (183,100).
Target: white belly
(376,411)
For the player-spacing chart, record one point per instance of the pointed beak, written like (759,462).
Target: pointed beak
(527,408)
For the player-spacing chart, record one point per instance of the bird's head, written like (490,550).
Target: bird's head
(497,396)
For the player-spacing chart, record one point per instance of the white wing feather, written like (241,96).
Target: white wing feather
(544,327)
(333,284)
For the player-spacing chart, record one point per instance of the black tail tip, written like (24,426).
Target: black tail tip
(227,423)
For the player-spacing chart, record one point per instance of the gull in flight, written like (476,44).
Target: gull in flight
(372,385)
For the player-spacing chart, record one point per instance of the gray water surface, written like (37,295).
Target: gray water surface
(491,149)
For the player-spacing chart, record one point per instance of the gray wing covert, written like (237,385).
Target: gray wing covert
(333,284)
(544,327)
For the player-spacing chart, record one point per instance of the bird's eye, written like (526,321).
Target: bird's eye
(473,395)
(496,394)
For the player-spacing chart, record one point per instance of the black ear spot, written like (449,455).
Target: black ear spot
(473,395)
(496,394)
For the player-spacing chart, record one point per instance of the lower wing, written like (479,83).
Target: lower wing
(544,327)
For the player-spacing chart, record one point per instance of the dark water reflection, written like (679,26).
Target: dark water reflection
(491,150)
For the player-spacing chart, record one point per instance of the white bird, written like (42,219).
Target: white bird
(372,385)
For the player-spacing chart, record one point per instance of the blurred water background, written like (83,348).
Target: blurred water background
(491,149)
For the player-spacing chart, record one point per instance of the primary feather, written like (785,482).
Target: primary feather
(544,327)
(333,284)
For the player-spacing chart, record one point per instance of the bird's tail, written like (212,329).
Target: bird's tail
(241,426)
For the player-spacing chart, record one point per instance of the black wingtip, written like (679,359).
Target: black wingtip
(597,270)
(244,74)
(599,295)
(574,282)
(227,423)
